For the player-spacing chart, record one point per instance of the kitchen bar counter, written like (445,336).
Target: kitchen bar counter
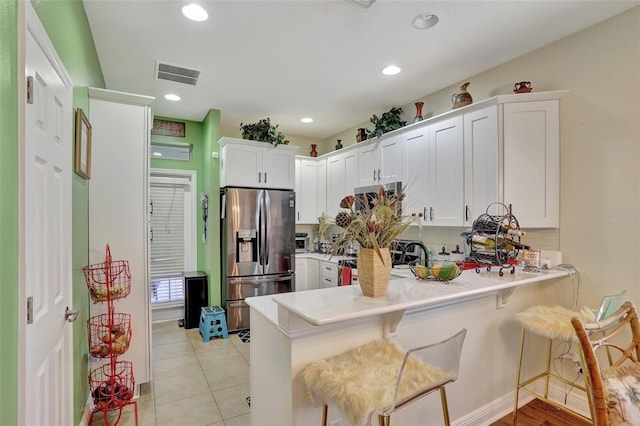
(288,331)
(331,305)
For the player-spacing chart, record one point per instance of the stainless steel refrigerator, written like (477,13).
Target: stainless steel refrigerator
(257,247)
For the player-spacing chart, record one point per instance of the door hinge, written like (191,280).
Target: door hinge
(29,89)
(30,310)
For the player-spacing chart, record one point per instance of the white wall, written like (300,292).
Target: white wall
(600,155)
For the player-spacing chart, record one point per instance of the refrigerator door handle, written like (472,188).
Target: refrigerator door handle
(261,236)
(267,209)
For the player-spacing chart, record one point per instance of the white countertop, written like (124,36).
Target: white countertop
(332,305)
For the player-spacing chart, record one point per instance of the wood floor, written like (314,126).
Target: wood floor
(537,413)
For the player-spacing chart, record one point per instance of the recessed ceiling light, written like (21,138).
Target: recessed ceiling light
(172,97)
(391,70)
(307,120)
(195,12)
(424,21)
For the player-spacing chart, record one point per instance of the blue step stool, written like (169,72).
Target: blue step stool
(213,323)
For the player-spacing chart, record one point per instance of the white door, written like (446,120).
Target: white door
(46,223)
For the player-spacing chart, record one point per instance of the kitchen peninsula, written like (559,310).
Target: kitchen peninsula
(290,330)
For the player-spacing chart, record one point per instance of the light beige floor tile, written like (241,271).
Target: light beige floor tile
(212,360)
(231,401)
(217,424)
(162,337)
(128,417)
(196,411)
(242,420)
(226,375)
(175,366)
(165,325)
(200,346)
(245,351)
(171,349)
(180,387)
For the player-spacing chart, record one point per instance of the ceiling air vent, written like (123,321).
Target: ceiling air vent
(177,74)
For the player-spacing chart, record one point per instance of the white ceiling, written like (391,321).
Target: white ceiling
(319,58)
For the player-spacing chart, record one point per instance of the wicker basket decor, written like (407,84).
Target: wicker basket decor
(373,274)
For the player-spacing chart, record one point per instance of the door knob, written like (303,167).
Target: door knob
(70,315)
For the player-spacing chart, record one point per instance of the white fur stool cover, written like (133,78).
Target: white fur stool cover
(553,322)
(363,380)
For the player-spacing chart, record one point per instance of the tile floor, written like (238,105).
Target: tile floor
(194,383)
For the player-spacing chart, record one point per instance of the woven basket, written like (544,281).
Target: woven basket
(373,274)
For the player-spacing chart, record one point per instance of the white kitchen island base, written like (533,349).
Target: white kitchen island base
(288,331)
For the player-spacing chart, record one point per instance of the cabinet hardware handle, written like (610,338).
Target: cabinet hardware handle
(378,174)
(466,213)
(259,177)
(510,209)
(152,235)
(151,212)
(424,212)
(265,177)
(431,214)
(298,215)
(374,174)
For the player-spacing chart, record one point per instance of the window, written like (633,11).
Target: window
(172,223)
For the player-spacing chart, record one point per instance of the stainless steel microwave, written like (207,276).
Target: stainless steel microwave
(366,194)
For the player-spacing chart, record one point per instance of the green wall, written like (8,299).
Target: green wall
(66,24)
(194,134)
(8,212)
(212,189)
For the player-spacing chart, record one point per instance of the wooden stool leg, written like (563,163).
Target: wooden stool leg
(515,399)
(445,406)
(384,420)
(325,410)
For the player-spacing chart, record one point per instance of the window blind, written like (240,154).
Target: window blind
(167,239)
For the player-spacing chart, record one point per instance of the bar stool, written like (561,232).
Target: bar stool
(554,324)
(213,323)
(381,377)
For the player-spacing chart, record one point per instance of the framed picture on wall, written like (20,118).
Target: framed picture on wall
(83,145)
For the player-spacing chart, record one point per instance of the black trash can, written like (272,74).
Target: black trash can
(196,296)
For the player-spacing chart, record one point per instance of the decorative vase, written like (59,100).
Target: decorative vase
(339,144)
(373,274)
(462,98)
(313,152)
(522,87)
(418,112)
(286,141)
(361,135)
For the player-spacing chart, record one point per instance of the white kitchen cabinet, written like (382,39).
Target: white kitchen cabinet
(415,177)
(446,173)
(302,281)
(306,178)
(480,162)
(256,164)
(118,206)
(342,178)
(380,162)
(321,188)
(532,162)
(328,274)
(307,274)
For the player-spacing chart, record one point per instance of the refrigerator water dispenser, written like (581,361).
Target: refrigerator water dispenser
(246,245)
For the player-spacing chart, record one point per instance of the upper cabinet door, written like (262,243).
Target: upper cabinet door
(306,197)
(390,159)
(367,164)
(321,187)
(532,162)
(480,162)
(336,188)
(446,172)
(380,162)
(415,175)
(241,166)
(278,168)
